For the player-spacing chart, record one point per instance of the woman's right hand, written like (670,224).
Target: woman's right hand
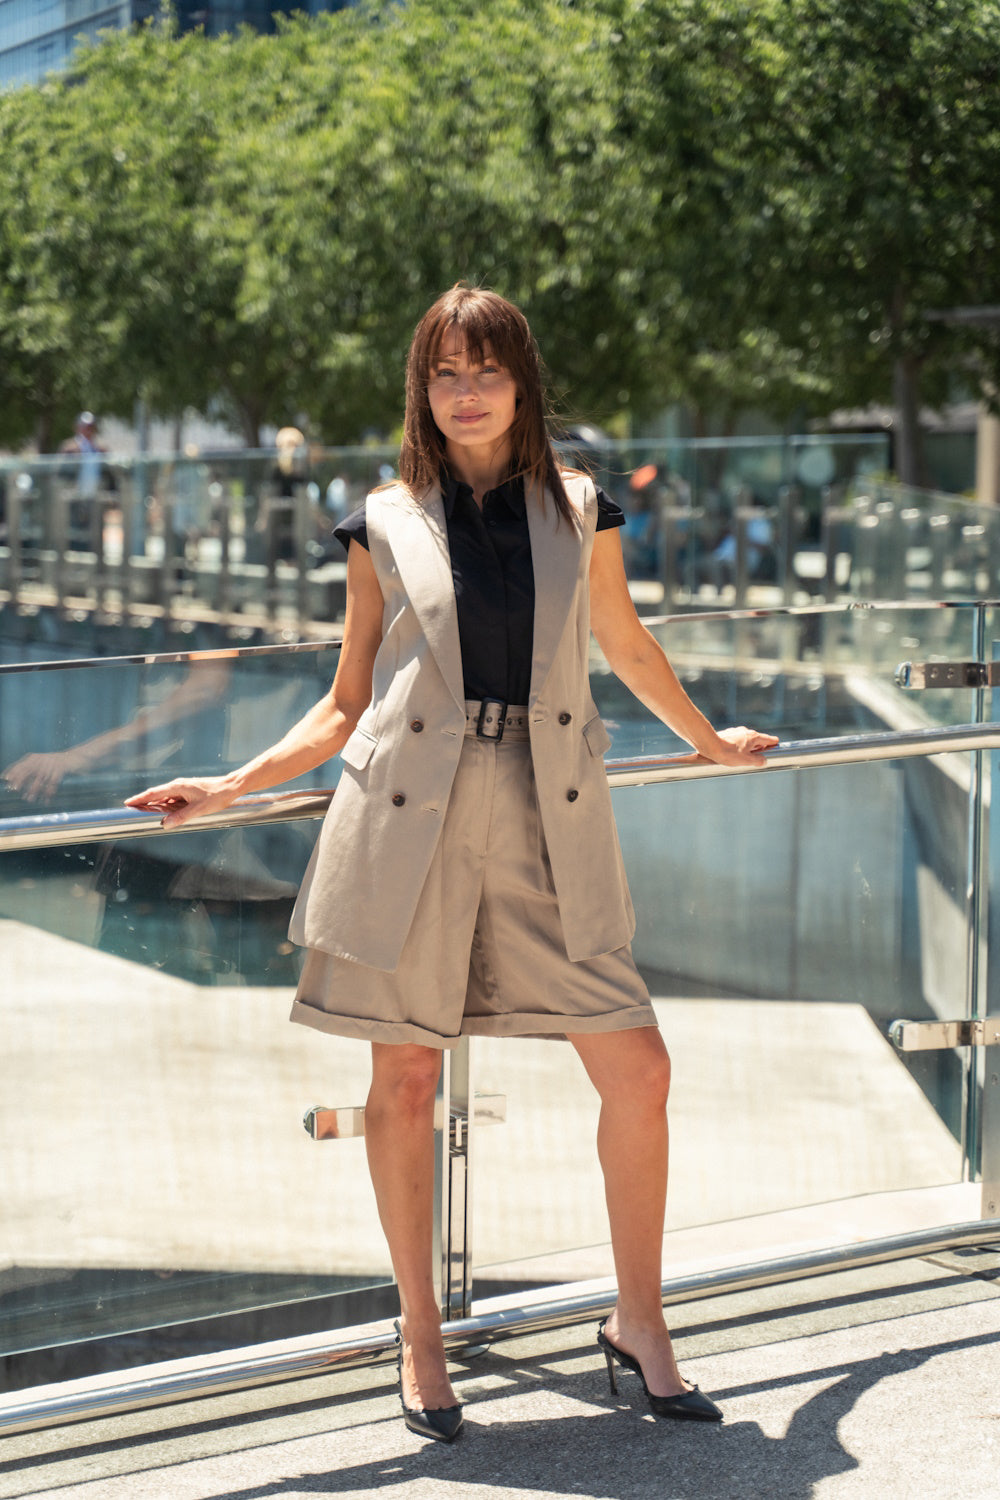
(181,800)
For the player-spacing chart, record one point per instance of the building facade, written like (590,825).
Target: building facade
(39,36)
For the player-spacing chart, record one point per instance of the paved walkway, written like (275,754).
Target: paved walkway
(877,1383)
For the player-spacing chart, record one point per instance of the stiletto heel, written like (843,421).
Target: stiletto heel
(610,1359)
(689,1406)
(442,1423)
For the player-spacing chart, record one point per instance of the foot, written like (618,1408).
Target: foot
(425,1382)
(649,1344)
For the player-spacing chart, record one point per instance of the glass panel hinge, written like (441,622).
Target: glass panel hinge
(332,1124)
(948,674)
(933,1036)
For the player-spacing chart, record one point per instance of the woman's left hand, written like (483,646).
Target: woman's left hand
(737,747)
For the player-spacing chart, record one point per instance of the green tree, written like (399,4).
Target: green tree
(706,200)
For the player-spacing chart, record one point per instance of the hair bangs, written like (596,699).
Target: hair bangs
(488,325)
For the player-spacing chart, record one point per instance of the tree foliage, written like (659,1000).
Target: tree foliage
(711,200)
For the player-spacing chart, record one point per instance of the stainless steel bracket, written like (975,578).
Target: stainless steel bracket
(935,1036)
(327,1124)
(948,674)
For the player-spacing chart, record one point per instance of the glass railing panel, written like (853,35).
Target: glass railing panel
(688,500)
(89,734)
(251,532)
(894,541)
(801,674)
(783,923)
(243,532)
(157,1171)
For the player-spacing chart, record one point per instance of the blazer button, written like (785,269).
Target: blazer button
(416,725)
(571,795)
(398,799)
(564,717)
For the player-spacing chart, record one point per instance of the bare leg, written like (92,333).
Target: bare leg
(631,1072)
(399,1139)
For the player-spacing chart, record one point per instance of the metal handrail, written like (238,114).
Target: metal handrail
(97,825)
(306,1357)
(171,658)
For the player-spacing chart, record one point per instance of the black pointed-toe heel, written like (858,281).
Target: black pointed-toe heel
(442,1423)
(689,1406)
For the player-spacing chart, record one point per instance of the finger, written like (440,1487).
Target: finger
(175,817)
(156,796)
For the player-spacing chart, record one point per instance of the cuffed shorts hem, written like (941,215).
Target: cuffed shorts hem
(364,1030)
(525,1024)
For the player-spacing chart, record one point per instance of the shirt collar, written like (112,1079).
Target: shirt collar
(510,493)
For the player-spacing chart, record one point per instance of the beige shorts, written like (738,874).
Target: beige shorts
(485,955)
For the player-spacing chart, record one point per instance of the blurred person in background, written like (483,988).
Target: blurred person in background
(89,477)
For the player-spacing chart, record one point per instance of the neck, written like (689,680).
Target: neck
(481,470)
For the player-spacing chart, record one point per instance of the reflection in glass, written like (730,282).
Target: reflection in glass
(156,1168)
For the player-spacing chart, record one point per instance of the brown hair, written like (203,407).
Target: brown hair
(485,320)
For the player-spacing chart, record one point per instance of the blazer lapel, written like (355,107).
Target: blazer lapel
(555,556)
(418,535)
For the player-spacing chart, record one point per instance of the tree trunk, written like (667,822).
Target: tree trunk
(909,456)
(250,420)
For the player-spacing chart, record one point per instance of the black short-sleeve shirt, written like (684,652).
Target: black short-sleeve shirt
(494,582)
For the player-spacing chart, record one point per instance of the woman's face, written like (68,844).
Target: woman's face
(473,403)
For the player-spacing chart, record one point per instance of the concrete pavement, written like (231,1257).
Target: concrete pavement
(882,1383)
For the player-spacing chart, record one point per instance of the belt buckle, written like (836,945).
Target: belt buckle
(484,706)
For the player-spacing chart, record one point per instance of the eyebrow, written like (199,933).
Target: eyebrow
(486,356)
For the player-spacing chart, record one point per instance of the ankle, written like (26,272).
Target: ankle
(421,1328)
(638,1321)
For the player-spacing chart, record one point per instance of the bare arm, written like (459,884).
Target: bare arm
(320,733)
(641,664)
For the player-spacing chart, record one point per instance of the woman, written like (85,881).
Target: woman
(468,879)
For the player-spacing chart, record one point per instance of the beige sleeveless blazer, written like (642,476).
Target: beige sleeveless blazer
(363,882)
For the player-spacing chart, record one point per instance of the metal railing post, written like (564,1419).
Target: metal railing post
(14,542)
(453,1184)
(989,1084)
(789,499)
(302,535)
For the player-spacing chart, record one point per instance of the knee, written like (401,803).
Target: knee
(407,1085)
(651,1083)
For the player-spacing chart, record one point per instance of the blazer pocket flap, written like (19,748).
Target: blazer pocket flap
(359,749)
(596,734)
